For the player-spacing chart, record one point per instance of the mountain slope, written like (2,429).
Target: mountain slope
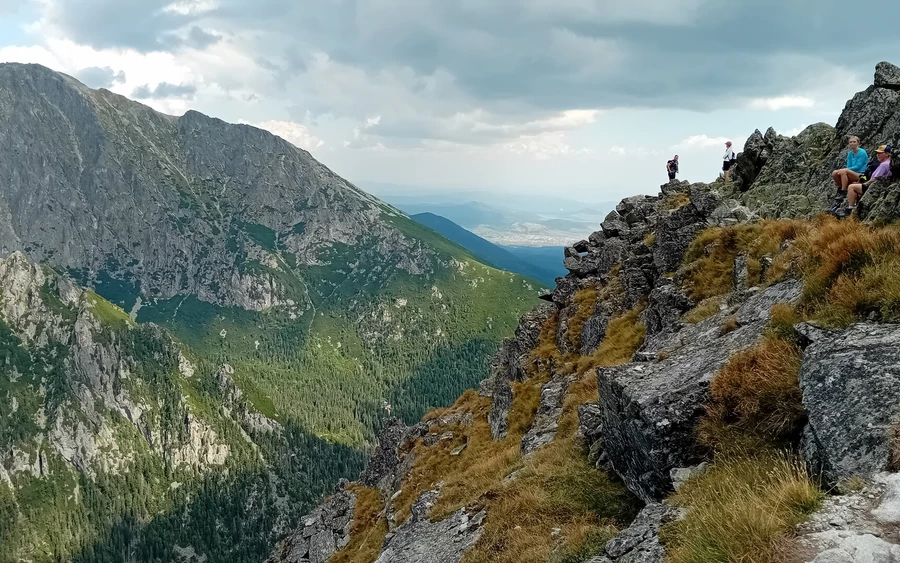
(323,301)
(484,250)
(544,257)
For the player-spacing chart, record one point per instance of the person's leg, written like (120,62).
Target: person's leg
(848,177)
(854,192)
(836,176)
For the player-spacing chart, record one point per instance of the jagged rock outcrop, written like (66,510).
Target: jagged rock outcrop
(321,533)
(649,408)
(509,365)
(778,176)
(639,543)
(419,540)
(385,467)
(850,381)
(546,419)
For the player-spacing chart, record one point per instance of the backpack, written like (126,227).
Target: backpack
(895,166)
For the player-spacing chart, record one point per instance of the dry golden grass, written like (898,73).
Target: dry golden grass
(367,530)
(730,324)
(557,488)
(624,336)
(676,201)
(756,394)
(650,239)
(743,510)
(704,310)
(711,255)
(850,271)
(585,300)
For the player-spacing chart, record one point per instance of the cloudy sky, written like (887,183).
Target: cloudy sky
(583,98)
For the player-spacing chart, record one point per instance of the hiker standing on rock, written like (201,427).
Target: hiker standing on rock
(672,168)
(857,159)
(728,161)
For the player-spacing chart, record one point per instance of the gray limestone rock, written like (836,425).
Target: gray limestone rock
(850,382)
(649,410)
(320,534)
(639,543)
(546,419)
(887,75)
(419,540)
(666,303)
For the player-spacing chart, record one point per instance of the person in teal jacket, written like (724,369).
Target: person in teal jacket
(857,160)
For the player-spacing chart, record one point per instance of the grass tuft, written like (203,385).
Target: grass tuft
(743,509)
(368,529)
(624,336)
(756,394)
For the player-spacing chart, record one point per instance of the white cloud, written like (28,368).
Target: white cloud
(795,131)
(700,142)
(621,151)
(781,102)
(191,7)
(30,55)
(294,133)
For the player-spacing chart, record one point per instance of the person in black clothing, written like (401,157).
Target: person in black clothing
(672,168)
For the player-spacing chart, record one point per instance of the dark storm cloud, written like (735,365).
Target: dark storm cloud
(549,55)
(165,90)
(96,77)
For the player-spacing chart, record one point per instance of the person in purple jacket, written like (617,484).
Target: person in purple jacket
(881,174)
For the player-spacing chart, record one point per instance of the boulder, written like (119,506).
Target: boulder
(599,260)
(614,225)
(850,382)
(649,410)
(887,75)
(639,543)
(546,419)
(581,246)
(674,233)
(665,305)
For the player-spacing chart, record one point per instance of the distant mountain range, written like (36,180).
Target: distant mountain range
(544,264)
(531,221)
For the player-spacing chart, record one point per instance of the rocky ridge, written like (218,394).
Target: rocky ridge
(641,426)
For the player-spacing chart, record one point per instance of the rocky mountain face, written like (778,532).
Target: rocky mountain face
(642,364)
(780,176)
(263,316)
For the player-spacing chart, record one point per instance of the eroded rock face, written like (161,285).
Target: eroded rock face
(546,419)
(509,365)
(419,540)
(649,409)
(111,184)
(320,534)
(639,543)
(851,389)
(788,177)
(858,527)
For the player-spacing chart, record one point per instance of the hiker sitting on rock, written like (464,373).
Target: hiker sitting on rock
(856,166)
(672,168)
(882,173)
